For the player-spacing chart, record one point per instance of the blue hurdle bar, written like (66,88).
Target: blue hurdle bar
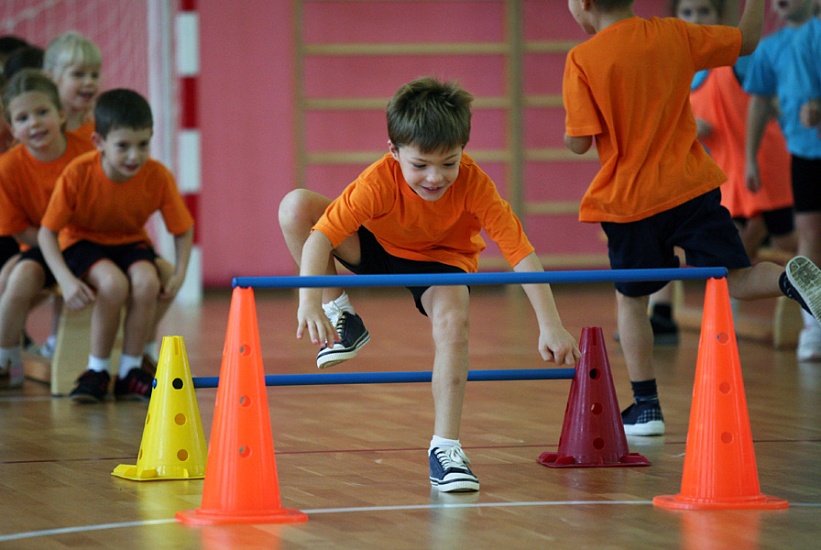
(395,377)
(484,278)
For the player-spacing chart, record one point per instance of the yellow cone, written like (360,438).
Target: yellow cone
(173,444)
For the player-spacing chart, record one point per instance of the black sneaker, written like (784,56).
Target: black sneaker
(352,336)
(450,470)
(92,387)
(804,284)
(643,419)
(136,386)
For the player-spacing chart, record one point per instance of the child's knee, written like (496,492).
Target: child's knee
(145,285)
(451,326)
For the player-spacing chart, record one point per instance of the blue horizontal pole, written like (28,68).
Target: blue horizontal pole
(484,278)
(395,377)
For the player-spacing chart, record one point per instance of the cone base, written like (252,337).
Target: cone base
(133,473)
(554,460)
(202,517)
(679,502)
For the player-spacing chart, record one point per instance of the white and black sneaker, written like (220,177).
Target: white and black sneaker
(352,336)
(643,419)
(803,284)
(450,471)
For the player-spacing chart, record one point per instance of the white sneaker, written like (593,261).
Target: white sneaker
(809,343)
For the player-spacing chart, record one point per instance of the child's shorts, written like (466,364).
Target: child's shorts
(778,222)
(81,256)
(701,227)
(806,184)
(376,261)
(36,255)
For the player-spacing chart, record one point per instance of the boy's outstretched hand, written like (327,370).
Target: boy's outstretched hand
(559,346)
(320,329)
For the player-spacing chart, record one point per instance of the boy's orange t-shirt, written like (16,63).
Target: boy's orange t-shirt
(629,86)
(87,205)
(722,102)
(26,183)
(409,227)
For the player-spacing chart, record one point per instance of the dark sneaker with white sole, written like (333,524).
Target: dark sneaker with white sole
(352,336)
(450,471)
(92,387)
(804,284)
(643,419)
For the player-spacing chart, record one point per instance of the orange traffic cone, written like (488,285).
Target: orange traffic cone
(241,483)
(592,432)
(719,462)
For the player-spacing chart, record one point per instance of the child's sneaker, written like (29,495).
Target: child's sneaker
(11,376)
(804,284)
(352,336)
(92,386)
(136,386)
(643,419)
(450,470)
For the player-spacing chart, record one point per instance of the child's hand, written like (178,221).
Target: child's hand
(171,287)
(559,346)
(76,294)
(320,329)
(810,114)
(753,176)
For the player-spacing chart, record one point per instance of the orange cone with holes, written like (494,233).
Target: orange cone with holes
(592,432)
(720,471)
(241,484)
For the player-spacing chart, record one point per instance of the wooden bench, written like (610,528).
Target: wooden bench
(70,353)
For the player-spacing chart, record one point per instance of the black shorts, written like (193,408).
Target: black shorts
(36,255)
(806,184)
(701,227)
(778,222)
(81,256)
(375,260)
(9,247)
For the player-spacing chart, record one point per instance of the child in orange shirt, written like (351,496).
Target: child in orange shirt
(100,206)
(28,173)
(628,88)
(419,209)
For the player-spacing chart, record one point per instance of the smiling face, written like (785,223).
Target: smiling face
(36,123)
(78,85)
(124,151)
(429,175)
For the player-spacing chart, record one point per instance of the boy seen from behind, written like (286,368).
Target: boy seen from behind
(99,208)
(628,89)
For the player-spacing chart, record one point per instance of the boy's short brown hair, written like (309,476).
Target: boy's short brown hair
(430,114)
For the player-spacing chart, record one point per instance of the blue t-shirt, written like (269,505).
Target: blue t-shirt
(807,49)
(772,73)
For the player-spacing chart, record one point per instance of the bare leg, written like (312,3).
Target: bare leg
(636,336)
(24,287)
(142,307)
(112,288)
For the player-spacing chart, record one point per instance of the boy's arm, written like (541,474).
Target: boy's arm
(555,343)
(76,294)
(751,25)
(578,144)
(758,114)
(316,256)
(182,254)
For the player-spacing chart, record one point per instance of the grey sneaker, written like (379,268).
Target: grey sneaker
(804,284)
(450,471)
(352,336)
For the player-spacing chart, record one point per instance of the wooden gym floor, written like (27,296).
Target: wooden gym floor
(353,457)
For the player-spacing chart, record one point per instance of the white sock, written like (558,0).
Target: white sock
(443,443)
(99,365)
(809,320)
(128,362)
(51,341)
(10,356)
(335,308)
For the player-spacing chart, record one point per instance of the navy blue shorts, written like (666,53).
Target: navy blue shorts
(778,222)
(701,227)
(806,184)
(375,260)
(81,256)
(9,247)
(36,255)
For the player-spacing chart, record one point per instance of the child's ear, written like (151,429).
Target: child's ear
(394,150)
(97,140)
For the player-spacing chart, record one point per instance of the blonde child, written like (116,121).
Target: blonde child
(419,209)
(28,174)
(658,187)
(101,203)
